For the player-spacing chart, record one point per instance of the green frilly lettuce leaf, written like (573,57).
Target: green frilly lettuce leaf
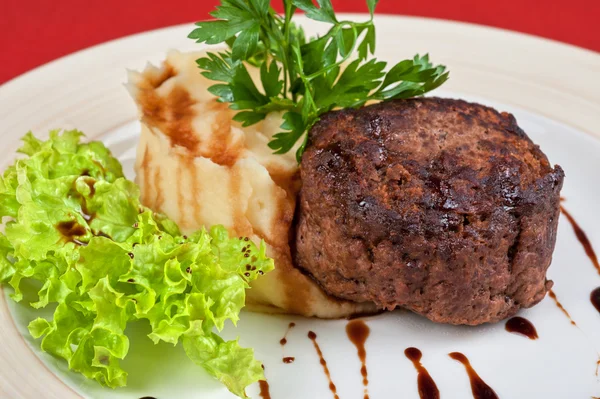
(75,224)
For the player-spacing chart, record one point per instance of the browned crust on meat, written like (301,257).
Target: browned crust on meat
(441,206)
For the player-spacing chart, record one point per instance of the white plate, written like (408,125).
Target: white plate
(554,91)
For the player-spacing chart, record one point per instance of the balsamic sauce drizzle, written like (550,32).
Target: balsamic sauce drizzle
(283,340)
(595,298)
(265,393)
(480,389)
(264,389)
(521,326)
(427,387)
(358,332)
(589,251)
(552,295)
(583,239)
(313,337)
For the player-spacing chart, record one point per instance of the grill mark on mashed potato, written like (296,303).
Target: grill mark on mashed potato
(180,198)
(159,192)
(201,168)
(196,188)
(146,160)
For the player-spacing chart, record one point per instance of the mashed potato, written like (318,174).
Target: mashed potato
(198,166)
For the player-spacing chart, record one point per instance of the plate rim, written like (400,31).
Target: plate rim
(49,64)
(20,82)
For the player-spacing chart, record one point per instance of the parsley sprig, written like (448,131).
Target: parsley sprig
(302,78)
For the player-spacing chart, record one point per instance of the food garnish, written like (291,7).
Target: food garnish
(304,78)
(76,225)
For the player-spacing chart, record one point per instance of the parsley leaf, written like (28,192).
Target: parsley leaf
(372,4)
(303,78)
(324,13)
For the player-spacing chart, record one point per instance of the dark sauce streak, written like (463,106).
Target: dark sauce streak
(583,239)
(595,298)
(313,337)
(480,389)
(85,213)
(264,389)
(552,295)
(358,332)
(70,230)
(91,184)
(148,397)
(367,314)
(427,387)
(283,340)
(521,326)
(589,250)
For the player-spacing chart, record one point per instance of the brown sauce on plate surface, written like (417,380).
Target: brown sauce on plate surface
(283,340)
(313,337)
(589,251)
(265,393)
(583,239)
(427,387)
(552,295)
(480,389)
(595,298)
(520,325)
(264,389)
(358,332)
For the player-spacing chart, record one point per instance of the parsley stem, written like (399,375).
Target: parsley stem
(302,78)
(289,12)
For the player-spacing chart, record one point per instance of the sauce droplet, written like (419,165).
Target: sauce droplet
(283,340)
(521,326)
(480,389)
(313,337)
(289,359)
(358,332)
(595,298)
(583,239)
(264,389)
(552,295)
(427,387)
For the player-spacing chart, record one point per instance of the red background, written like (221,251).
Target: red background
(33,32)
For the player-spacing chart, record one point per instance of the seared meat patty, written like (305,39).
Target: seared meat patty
(439,206)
